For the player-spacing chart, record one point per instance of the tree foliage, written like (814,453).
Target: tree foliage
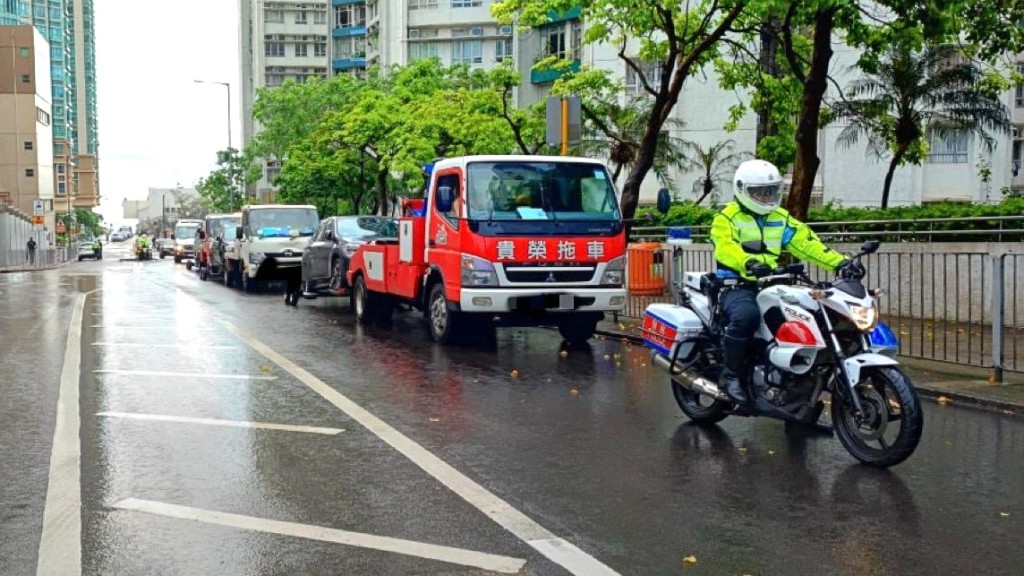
(714,164)
(224,189)
(910,94)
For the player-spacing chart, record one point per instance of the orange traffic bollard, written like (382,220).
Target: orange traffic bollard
(646,269)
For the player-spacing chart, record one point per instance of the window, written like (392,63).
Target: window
(273,49)
(451,180)
(58,149)
(1019,96)
(42,116)
(26,78)
(272,170)
(30,173)
(275,16)
(652,72)
(948,149)
(577,39)
(62,189)
(274,80)
(24,51)
(1016,158)
(300,16)
(28,145)
(423,50)
(423,4)
(503,49)
(553,41)
(466,3)
(320,17)
(468,52)
(60,169)
(320,49)
(349,16)
(302,49)
(460,32)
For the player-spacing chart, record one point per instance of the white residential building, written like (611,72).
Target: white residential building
(365,33)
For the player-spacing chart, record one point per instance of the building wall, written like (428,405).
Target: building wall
(84,124)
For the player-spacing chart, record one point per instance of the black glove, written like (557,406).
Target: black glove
(850,270)
(757,269)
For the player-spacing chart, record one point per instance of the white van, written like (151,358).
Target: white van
(270,242)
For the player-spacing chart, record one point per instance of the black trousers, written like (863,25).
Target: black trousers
(741,317)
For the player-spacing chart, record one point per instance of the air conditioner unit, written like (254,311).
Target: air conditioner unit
(476,31)
(1016,132)
(505,30)
(414,33)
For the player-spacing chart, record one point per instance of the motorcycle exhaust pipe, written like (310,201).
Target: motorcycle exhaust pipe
(689,378)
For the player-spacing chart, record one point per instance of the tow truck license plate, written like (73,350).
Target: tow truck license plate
(566,302)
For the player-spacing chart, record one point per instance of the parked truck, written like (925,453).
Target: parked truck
(269,243)
(512,240)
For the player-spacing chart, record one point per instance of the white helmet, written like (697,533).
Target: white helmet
(757,186)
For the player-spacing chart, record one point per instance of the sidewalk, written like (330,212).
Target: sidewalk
(27,268)
(944,382)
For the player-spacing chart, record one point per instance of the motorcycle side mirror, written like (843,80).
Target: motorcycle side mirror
(870,247)
(754,247)
(238,233)
(664,200)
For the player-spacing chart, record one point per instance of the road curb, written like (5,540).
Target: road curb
(16,270)
(927,390)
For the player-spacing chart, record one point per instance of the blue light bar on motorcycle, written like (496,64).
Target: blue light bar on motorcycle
(882,337)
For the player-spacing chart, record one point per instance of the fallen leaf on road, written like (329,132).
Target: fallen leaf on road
(742,449)
(622,326)
(1009,412)
(607,357)
(563,353)
(264,368)
(942,400)
(435,419)
(1004,514)
(771,452)
(574,392)
(515,373)
(643,364)
(690,560)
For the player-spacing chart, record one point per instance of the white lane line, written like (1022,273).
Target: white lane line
(214,422)
(558,550)
(144,345)
(492,562)
(184,328)
(184,374)
(60,546)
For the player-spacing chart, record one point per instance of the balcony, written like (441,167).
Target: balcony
(357,30)
(549,75)
(570,14)
(347,62)
(346,2)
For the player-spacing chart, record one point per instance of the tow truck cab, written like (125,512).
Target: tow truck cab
(523,240)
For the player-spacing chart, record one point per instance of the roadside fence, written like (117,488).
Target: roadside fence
(15,230)
(959,302)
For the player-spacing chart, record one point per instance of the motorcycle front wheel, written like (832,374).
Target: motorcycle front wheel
(891,426)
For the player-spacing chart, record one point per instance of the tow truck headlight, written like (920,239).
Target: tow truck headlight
(865,318)
(614,272)
(257,258)
(478,272)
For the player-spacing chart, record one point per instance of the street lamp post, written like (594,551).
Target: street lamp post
(228,86)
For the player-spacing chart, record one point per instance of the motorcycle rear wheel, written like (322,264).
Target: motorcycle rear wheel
(703,410)
(888,397)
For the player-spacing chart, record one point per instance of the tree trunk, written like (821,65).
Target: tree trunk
(767,62)
(807,161)
(709,187)
(893,164)
(382,192)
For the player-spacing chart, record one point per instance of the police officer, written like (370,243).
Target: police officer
(755,215)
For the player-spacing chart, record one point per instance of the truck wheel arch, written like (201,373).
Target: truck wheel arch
(434,276)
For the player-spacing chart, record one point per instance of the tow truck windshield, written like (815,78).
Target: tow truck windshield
(282,221)
(541,198)
(185,231)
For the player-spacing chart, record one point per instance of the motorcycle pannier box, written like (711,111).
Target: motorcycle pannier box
(666,325)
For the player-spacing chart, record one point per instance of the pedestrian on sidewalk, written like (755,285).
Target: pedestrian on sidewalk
(31,245)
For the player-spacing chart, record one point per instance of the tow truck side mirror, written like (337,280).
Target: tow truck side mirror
(172,237)
(445,198)
(202,235)
(238,232)
(664,201)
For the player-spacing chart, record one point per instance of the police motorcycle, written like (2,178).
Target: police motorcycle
(819,343)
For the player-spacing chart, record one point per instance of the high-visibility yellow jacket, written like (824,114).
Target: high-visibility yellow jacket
(733,226)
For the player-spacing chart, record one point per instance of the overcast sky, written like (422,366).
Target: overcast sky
(157,127)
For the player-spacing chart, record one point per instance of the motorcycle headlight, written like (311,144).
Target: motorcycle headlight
(865,318)
(478,272)
(614,272)
(256,258)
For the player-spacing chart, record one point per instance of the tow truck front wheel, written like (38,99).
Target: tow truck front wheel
(363,301)
(444,322)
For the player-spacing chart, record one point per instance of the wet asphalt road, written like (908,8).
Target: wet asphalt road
(588,444)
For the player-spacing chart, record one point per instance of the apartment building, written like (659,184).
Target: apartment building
(26,142)
(366,33)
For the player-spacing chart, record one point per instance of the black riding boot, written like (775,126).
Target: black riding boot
(735,352)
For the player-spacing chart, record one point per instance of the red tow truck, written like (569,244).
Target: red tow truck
(501,240)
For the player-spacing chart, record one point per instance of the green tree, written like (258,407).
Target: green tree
(88,222)
(679,37)
(911,94)
(224,189)
(615,130)
(715,165)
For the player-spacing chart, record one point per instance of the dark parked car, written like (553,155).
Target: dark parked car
(325,260)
